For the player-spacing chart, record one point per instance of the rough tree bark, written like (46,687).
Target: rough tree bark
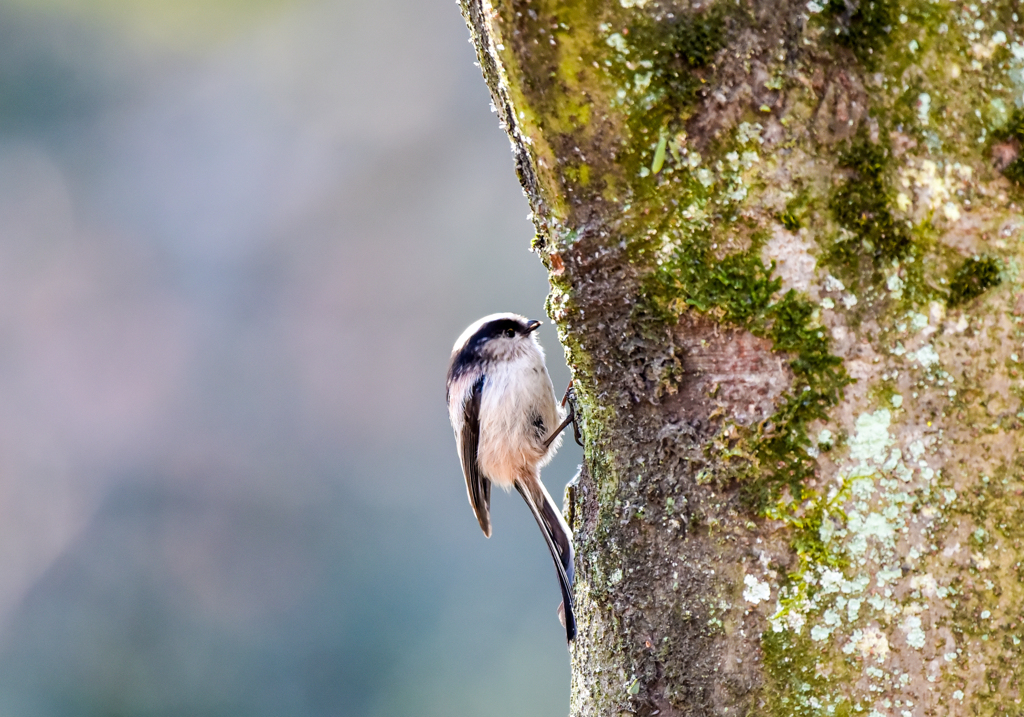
(784,248)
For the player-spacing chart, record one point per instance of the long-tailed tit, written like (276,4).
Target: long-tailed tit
(508,425)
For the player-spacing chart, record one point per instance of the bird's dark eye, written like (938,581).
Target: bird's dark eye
(509,333)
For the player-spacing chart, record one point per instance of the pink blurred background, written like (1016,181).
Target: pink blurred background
(237,240)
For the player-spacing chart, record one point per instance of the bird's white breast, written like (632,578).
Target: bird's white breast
(515,394)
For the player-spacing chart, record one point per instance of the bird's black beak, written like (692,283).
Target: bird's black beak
(531,326)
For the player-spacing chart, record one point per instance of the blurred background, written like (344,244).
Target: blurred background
(237,241)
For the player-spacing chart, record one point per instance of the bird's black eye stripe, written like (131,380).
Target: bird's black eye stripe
(473,352)
(493,330)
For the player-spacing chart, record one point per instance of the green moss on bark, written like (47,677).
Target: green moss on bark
(1013,132)
(862,27)
(862,204)
(739,289)
(662,69)
(973,278)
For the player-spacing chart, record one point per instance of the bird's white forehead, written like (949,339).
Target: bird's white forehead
(475,326)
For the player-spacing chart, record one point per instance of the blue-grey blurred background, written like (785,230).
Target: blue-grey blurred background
(237,240)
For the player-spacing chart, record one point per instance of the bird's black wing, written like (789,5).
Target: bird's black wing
(477,483)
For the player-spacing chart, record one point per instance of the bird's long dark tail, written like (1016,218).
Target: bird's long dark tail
(559,539)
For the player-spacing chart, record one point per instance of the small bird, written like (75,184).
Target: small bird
(508,425)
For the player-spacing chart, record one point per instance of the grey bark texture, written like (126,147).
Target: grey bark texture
(784,245)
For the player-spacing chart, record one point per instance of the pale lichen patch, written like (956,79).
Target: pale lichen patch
(755,591)
(792,255)
(934,188)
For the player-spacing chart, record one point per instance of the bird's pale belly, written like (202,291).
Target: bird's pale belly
(512,432)
(504,461)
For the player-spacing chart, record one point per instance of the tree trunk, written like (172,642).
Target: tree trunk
(784,248)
